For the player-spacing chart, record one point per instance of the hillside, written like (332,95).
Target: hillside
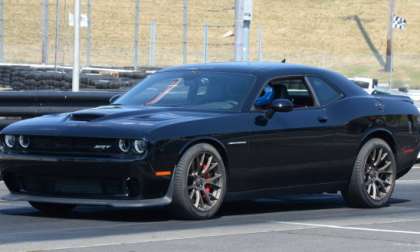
(348,36)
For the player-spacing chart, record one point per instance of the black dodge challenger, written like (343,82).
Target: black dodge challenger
(189,137)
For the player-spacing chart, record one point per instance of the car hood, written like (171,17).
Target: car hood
(107,121)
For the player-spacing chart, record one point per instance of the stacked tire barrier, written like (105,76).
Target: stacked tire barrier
(15,105)
(17,77)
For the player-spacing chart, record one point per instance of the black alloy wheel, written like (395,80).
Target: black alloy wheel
(374,174)
(199,183)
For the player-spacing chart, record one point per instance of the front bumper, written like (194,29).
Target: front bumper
(83,180)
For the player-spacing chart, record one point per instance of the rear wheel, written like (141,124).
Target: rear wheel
(199,183)
(52,208)
(374,173)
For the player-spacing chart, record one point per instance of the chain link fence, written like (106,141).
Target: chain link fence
(144,34)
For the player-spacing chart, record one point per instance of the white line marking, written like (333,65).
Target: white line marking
(145,237)
(349,228)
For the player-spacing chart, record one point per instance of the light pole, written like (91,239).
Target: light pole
(76,56)
(243,18)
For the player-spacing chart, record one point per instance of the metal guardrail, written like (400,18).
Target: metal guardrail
(16,105)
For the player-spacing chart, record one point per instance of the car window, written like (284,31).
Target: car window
(200,90)
(362,84)
(324,92)
(294,89)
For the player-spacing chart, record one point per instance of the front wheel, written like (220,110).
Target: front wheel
(199,183)
(52,208)
(373,180)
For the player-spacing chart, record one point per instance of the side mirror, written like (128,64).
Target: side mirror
(278,105)
(282,105)
(114,98)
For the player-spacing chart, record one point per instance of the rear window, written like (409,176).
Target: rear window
(324,92)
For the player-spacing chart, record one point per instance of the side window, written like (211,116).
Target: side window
(294,89)
(324,92)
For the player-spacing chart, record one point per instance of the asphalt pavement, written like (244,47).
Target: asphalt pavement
(293,223)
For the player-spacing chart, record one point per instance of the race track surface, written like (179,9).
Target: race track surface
(295,223)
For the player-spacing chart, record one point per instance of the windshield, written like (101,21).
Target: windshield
(191,89)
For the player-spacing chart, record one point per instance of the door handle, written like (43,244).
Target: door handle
(322,119)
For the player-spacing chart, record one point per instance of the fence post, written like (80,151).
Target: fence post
(260,44)
(45,22)
(152,44)
(57,31)
(76,48)
(1,30)
(206,43)
(89,33)
(185,33)
(136,50)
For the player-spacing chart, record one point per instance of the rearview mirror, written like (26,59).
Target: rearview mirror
(282,105)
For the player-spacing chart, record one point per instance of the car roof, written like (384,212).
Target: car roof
(272,69)
(246,67)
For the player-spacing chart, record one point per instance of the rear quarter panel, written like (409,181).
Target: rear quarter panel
(358,118)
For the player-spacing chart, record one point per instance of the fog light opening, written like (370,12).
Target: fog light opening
(133,187)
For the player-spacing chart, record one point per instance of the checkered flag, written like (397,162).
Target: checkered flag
(399,23)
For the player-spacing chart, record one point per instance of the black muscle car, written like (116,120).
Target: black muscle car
(189,136)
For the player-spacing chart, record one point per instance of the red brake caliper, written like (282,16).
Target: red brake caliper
(207,188)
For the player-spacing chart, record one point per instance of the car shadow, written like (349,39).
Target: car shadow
(231,208)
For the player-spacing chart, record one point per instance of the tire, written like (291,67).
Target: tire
(52,208)
(194,196)
(373,179)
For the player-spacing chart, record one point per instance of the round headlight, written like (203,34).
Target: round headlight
(140,146)
(124,145)
(24,142)
(10,141)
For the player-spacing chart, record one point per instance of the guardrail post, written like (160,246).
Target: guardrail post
(45,21)
(152,44)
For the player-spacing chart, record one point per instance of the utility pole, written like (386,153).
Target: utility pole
(243,18)
(388,64)
(238,29)
(76,55)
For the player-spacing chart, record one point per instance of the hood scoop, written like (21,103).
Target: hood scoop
(85,117)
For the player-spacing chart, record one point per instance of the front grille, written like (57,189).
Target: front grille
(62,145)
(74,187)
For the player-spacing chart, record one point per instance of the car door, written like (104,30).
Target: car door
(295,148)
